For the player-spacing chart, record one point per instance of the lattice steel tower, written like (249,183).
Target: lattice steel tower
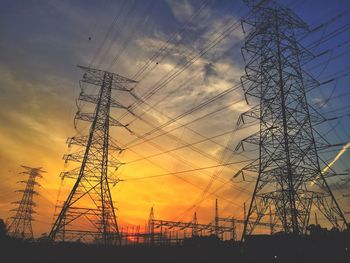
(88,214)
(21,223)
(290,180)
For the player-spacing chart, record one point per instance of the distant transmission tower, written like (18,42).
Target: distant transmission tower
(21,222)
(88,214)
(289,176)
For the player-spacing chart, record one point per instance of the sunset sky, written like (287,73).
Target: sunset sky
(42,42)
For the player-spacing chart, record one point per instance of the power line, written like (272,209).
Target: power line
(109,31)
(185,171)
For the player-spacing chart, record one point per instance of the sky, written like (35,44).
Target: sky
(42,42)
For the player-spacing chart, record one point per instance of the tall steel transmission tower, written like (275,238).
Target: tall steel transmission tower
(290,180)
(21,222)
(88,214)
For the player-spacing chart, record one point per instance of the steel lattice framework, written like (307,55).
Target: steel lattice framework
(217,227)
(21,222)
(289,176)
(88,214)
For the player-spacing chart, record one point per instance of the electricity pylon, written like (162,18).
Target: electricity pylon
(21,223)
(290,180)
(88,214)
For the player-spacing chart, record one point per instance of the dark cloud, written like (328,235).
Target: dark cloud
(209,71)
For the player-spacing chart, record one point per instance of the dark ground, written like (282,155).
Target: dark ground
(331,247)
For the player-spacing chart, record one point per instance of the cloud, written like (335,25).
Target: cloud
(181,9)
(39,84)
(209,71)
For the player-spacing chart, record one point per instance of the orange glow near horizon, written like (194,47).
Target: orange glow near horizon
(169,195)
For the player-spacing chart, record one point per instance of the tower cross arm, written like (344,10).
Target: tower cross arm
(96,76)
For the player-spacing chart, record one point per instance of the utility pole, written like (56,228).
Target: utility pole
(290,180)
(244,213)
(195,225)
(151,227)
(272,225)
(216,218)
(88,213)
(233,230)
(21,222)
